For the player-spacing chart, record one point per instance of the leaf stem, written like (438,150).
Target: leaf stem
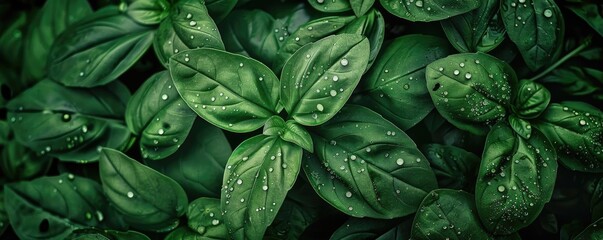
(571,54)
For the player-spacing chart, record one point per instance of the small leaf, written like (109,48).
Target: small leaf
(522,127)
(258,175)
(361,7)
(330,6)
(515,180)
(320,77)
(295,133)
(454,167)
(471,90)
(148,12)
(531,99)
(133,189)
(234,92)
(428,10)
(274,126)
(205,218)
(98,49)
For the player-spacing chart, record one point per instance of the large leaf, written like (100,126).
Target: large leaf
(471,90)
(258,175)
(148,12)
(199,163)
(479,30)
(395,85)
(97,49)
(454,167)
(158,115)
(576,131)
(448,214)
(367,167)
(320,77)
(231,91)
(188,26)
(70,123)
(515,179)
(428,10)
(53,207)
(147,199)
(536,27)
(54,17)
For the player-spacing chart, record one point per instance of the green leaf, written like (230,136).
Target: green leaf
(11,41)
(19,163)
(147,199)
(219,9)
(530,99)
(575,129)
(450,214)
(577,81)
(522,127)
(367,167)
(258,175)
(235,92)
(54,17)
(199,163)
(454,167)
(158,115)
(274,126)
(361,7)
(536,28)
(147,12)
(479,30)
(205,218)
(330,6)
(471,90)
(363,228)
(70,123)
(428,10)
(98,234)
(320,77)
(395,85)
(593,231)
(590,13)
(184,233)
(98,49)
(188,26)
(289,131)
(400,232)
(515,179)
(53,207)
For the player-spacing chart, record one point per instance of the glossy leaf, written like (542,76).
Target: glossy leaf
(70,123)
(395,85)
(361,7)
(188,26)
(19,163)
(454,167)
(320,77)
(450,214)
(522,127)
(205,218)
(258,175)
(363,228)
(428,10)
(234,92)
(471,90)
(366,167)
(98,49)
(590,13)
(575,129)
(330,6)
(133,189)
(593,231)
(54,17)
(478,30)
(158,115)
(531,99)
(219,9)
(199,163)
(515,179)
(148,12)
(289,131)
(53,207)
(536,28)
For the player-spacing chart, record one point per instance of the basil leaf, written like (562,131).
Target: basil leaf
(147,12)
(522,127)
(428,10)
(320,77)
(577,81)
(97,234)
(219,9)
(188,26)
(4,221)
(19,163)
(593,231)
(98,49)
(366,167)
(54,17)
(575,129)
(531,99)
(450,214)
(363,228)
(258,175)
(53,207)
(331,6)
(199,163)
(395,86)
(543,24)
(590,13)
(454,167)
(235,92)
(471,90)
(132,188)
(205,218)
(361,7)
(70,123)
(289,131)
(515,179)
(479,30)
(159,116)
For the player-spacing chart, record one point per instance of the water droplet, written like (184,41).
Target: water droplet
(353,157)
(456,72)
(100,216)
(239,181)
(333,93)
(468,75)
(344,62)
(161,131)
(81,74)
(548,13)
(348,194)
(164,96)
(419,3)
(582,122)
(242,199)
(240,64)
(501,188)
(70,176)
(192,23)
(335,78)
(265,188)
(216,221)
(320,107)
(189,16)
(84,129)
(400,161)
(130,194)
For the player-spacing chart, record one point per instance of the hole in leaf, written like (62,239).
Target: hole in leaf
(166,125)
(436,87)
(44,226)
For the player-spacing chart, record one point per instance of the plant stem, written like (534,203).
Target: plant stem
(571,54)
